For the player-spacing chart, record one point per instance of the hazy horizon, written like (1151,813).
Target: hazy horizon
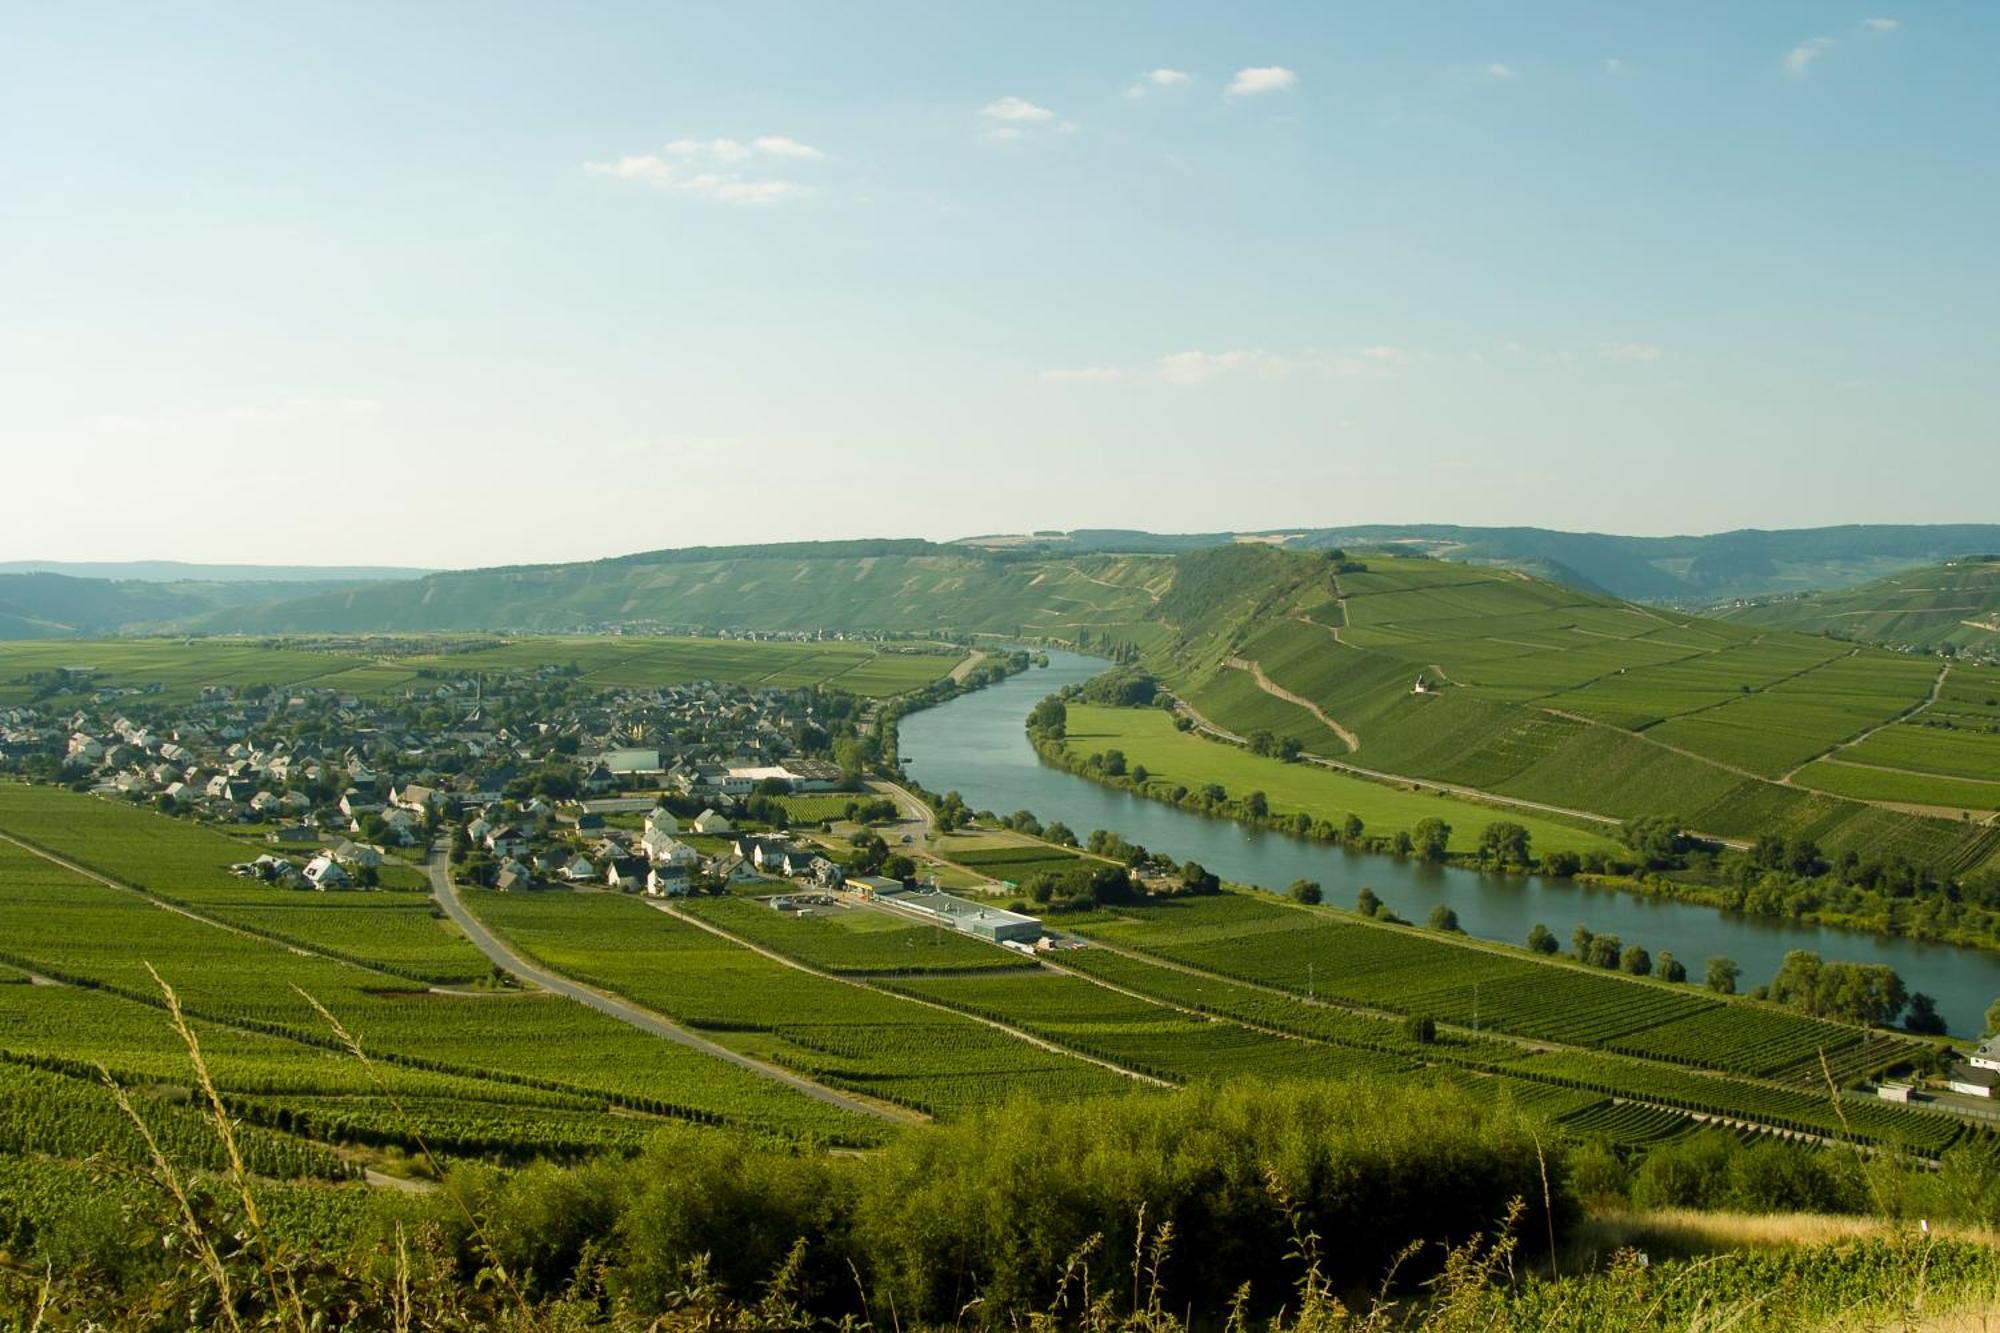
(435,287)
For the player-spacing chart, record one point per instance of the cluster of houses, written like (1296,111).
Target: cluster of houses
(577,848)
(325,765)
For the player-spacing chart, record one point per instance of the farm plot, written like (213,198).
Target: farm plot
(60,925)
(188,864)
(181,667)
(844,1034)
(1742,1038)
(1626,1124)
(1954,752)
(1145,1036)
(856,940)
(1868,782)
(1016,864)
(1408,972)
(1176,758)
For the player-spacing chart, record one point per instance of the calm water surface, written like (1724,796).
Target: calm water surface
(977,745)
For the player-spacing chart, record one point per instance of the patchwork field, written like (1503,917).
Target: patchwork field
(1519,687)
(1182,759)
(182,667)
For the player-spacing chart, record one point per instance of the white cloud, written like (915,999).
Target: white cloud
(1881,25)
(1158,78)
(641,167)
(1261,79)
(1016,109)
(1800,58)
(1613,65)
(778,145)
(1630,353)
(1496,70)
(723,170)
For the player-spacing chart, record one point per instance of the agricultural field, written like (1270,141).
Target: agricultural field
(644,660)
(843,1034)
(250,992)
(1013,863)
(183,667)
(820,807)
(859,940)
(1924,748)
(1549,694)
(1953,605)
(1330,955)
(187,864)
(1175,758)
(1871,782)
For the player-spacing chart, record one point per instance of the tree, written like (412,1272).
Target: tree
(1992,1019)
(1541,939)
(1351,828)
(1060,834)
(1443,918)
(1505,842)
(1866,993)
(1605,950)
(1198,878)
(1636,960)
(1050,718)
(1924,1018)
(1420,1029)
(1366,903)
(1430,838)
(1722,975)
(899,866)
(1256,805)
(1579,943)
(1114,763)
(1670,968)
(1306,891)
(1139,775)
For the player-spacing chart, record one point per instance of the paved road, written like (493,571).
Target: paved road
(496,949)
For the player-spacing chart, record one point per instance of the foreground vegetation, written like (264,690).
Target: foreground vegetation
(1336,1205)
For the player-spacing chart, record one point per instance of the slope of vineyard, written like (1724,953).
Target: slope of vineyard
(1495,681)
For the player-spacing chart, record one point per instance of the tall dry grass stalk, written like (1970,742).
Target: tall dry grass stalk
(465,1210)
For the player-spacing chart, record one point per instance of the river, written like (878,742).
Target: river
(977,745)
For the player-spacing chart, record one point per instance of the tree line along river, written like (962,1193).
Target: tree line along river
(977,745)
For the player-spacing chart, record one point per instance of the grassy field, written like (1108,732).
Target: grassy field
(1176,758)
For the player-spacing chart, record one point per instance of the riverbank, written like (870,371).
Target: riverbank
(977,745)
(1145,751)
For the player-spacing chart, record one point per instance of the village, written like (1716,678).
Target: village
(528,781)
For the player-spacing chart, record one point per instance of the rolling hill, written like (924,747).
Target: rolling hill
(1687,570)
(53,606)
(1955,604)
(893,586)
(1499,683)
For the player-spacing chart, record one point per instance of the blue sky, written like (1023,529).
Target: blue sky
(467,284)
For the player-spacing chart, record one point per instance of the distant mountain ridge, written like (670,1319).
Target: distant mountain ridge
(54,606)
(176,571)
(994,584)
